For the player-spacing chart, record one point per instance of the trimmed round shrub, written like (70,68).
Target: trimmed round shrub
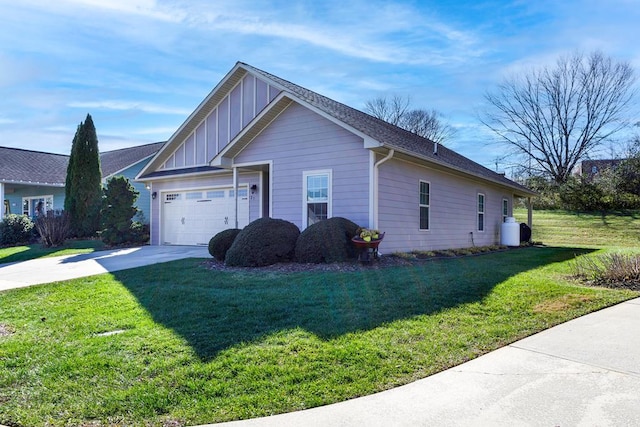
(15,230)
(221,242)
(265,241)
(327,241)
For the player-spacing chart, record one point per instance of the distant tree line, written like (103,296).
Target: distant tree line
(612,188)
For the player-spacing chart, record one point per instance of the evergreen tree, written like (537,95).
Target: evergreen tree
(118,211)
(83,190)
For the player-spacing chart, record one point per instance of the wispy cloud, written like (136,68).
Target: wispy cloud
(141,8)
(130,105)
(141,66)
(394,34)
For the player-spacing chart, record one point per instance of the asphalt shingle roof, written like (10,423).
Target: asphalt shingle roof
(390,135)
(25,166)
(117,160)
(37,167)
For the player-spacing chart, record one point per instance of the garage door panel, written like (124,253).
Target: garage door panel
(193,217)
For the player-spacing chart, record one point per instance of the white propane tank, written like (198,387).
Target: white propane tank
(510,232)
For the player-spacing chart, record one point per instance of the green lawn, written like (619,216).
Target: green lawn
(36,250)
(194,346)
(562,228)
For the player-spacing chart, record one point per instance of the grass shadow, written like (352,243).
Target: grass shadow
(36,250)
(214,310)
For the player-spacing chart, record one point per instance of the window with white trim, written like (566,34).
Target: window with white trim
(480,212)
(505,209)
(317,196)
(36,205)
(424,202)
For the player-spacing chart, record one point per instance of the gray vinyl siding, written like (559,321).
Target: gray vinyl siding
(300,140)
(201,183)
(452,209)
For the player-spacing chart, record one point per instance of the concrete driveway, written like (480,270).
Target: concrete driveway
(47,270)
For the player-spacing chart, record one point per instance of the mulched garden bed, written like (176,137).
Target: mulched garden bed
(294,267)
(383,261)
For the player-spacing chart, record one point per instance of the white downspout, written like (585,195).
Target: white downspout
(235,193)
(375,185)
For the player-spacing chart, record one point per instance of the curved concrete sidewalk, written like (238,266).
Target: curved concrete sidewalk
(585,372)
(47,270)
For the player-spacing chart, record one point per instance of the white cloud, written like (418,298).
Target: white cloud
(393,34)
(130,105)
(141,8)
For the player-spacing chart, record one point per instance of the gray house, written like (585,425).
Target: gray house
(28,178)
(261,146)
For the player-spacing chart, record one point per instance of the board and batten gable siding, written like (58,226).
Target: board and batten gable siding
(300,140)
(201,183)
(222,124)
(453,209)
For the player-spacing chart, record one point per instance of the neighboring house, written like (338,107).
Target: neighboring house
(29,179)
(260,146)
(591,168)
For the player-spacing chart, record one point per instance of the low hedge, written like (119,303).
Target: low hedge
(327,241)
(220,243)
(264,241)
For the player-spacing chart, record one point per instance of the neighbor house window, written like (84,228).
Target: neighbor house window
(424,205)
(505,209)
(317,196)
(480,212)
(38,205)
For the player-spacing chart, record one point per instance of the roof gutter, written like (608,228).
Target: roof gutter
(374,190)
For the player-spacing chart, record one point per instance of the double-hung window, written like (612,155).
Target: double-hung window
(480,212)
(505,209)
(424,205)
(317,196)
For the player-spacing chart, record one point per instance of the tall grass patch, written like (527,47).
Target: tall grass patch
(613,270)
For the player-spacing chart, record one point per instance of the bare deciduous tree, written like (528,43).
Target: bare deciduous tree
(396,111)
(556,116)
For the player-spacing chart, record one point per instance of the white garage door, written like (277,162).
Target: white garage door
(194,217)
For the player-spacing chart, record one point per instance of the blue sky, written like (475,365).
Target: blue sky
(140,67)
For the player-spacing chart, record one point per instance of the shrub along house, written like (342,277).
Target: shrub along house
(261,146)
